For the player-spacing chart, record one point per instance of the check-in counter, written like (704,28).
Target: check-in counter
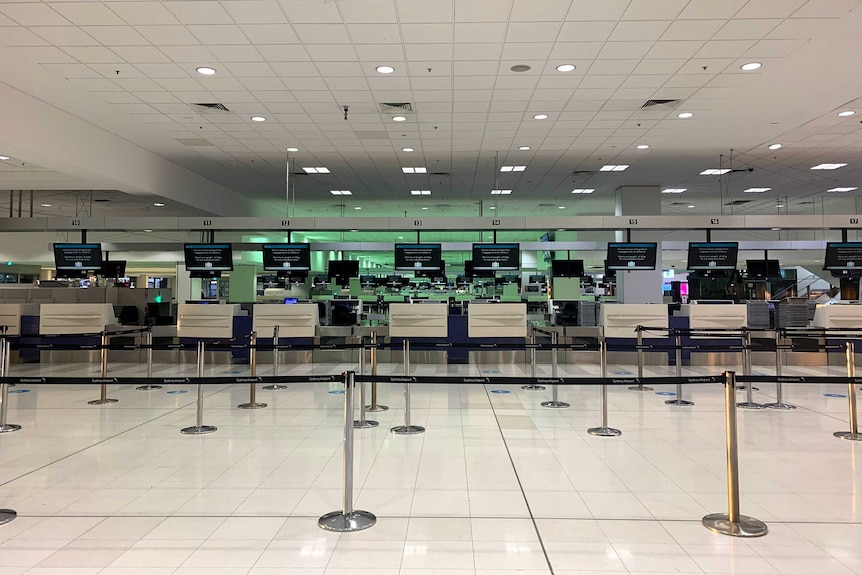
(619,321)
(832,316)
(497,322)
(297,323)
(206,321)
(417,321)
(11,313)
(718,317)
(75,319)
(580,334)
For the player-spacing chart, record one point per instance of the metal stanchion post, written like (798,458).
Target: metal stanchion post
(363,423)
(199,428)
(407,428)
(148,341)
(5,353)
(275,362)
(374,405)
(853,434)
(533,386)
(252,387)
(749,402)
(347,518)
(679,401)
(779,400)
(733,523)
(603,430)
(555,400)
(103,373)
(640,386)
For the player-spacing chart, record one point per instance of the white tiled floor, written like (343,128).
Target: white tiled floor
(497,485)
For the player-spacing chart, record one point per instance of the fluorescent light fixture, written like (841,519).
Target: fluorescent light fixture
(358,208)
(513,168)
(49,205)
(684,115)
(775,229)
(148,230)
(399,119)
(159,204)
(316,170)
(500,192)
(258,119)
(583,190)
(846,113)
(614,168)
(523,148)
(643,147)
(827,166)
(420,192)
(673,190)
(425,207)
(565,67)
(714,172)
(540,117)
(751,66)
(774,146)
(205,70)
(293,149)
(3,158)
(691,205)
(842,189)
(755,190)
(341,192)
(493,208)
(407,149)
(385,69)
(561,207)
(415,170)
(780,206)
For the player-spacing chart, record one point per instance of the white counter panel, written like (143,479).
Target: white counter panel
(10,315)
(838,316)
(75,317)
(294,320)
(621,319)
(419,320)
(716,316)
(497,320)
(214,320)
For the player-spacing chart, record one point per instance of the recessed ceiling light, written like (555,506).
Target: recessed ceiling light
(425,208)
(400,237)
(407,149)
(415,170)
(846,113)
(3,158)
(673,190)
(540,117)
(779,206)
(774,146)
(751,66)
(341,192)
(159,204)
(755,190)
(643,146)
(316,170)
(420,192)
(358,208)
(493,207)
(565,67)
(691,205)
(842,189)
(500,192)
(205,70)
(293,149)
(513,168)
(49,205)
(561,207)
(385,69)
(523,148)
(714,172)
(520,68)
(775,229)
(583,190)
(258,119)
(684,115)
(827,166)
(148,230)
(614,168)
(399,119)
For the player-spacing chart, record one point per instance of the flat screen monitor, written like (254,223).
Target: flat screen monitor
(279,257)
(471,273)
(208,258)
(538,279)
(113,269)
(843,256)
(712,256)
(77,257)
(340,271)
(431,273)
(291,300)
(496,257)
(763,269)
(631,256)
(417,257)
(610,275)
(567,268)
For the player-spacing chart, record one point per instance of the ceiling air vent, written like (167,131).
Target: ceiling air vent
(661,104)
(440,174)
(205,108)
(737,202)
(396,107)
(583,172)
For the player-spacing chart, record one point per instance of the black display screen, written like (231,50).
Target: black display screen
(113,269)
(418,257)
(340,271)
(567,268)
(712,256)
(286,257)
(493,257)
(843,256)
(208,257)
(627,256)
(763,269)
(78,257)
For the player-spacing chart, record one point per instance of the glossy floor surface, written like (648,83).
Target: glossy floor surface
(497,484)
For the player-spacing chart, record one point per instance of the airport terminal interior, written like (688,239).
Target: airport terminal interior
(426,287)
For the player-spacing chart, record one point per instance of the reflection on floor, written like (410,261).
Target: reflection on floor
(497,484)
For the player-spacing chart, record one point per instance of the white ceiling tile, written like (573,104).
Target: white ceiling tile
(434,96)
(254,11)
(235,53)
(482,10)
(92,54)
(664,10)
(645,81)
(586,31)
(322,33)
(516,82)
(87,13)
(6,21)
(769,8)
(712,66)
(473,82)
(590,10)
(33,14)
(667,66)
(295,69)
(692,29)
(428,52)
(639,30)
(624,50)
(507,110)
(199,12)
(283,53)
(425,10)
(168,35)
(140,54)
(284,108)
(426,33)
(64,35)
(310,96)
(218,34)
(540,10)
(774,48)
(368,12)
(162,71)
(234,96)
(431,83)
(578,53)
(143,13)
(532,31)
(353,97)
(49,55)
(331,53)
(486,51)
(674,49)
(138,85)
(139,108)
(18,36)
(72,70)
(176,85)
(476,68)
(469,33)
(600,81)
(498,95)
(169,107)
(270,33)
(116,35)
(826,8)
(687,81)
(386,84)
(374,33)
(710,9)
(312,12)
(801,29)
(746,29)
(561,81)
(613,67)
(343,71)
(724,48)
(192,96)
(553,95)
(159,98)
(251,70)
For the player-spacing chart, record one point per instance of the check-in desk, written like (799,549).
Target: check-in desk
(497,323)
(20,319)
(619,321)
(833,316)
(590,335)
(211,322)
(75,319)
(297,325)
(418,322)
(720,317)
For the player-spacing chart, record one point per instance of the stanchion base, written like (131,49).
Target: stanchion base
(408,430)
(251,405)
(340,523)
(604,431)
(274,387)
(533,387)
(7,515)
(148,387)
(751,405)
(849,435)
(102,401)
(779,405)
(744,387)
(679,402)
(376,408)
(641,388)
(357,424)
(9,428)
(745,527)
(195,430)
(555,404)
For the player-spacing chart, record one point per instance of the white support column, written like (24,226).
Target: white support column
(639,286)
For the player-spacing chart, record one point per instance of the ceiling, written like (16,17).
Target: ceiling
(100,95)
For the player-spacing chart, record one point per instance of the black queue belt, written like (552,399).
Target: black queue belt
(504,380)
(212,380)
